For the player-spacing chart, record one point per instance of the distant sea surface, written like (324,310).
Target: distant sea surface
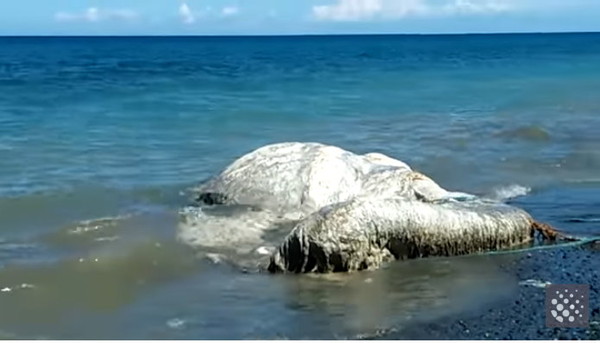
(100,139)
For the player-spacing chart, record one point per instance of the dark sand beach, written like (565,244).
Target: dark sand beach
(522,316)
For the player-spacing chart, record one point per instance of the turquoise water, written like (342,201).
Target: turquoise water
(100,138)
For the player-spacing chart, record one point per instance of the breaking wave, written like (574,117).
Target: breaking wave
(509,192)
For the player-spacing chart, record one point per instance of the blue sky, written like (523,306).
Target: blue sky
(181,17)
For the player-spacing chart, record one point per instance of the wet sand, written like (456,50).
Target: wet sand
(523,317)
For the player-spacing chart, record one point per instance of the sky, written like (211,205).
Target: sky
(282,17)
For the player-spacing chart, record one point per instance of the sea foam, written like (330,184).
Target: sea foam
(509,192)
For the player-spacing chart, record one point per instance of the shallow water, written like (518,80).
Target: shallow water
(101,139)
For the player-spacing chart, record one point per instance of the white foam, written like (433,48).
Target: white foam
(14,288)
(589,220)
(509,192)
(175,323)
(106,239)
(96,224)
(214,258)
(263,251)
(242,231)
(535,283)
(458,196)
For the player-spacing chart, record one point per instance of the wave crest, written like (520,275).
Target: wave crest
(509,192)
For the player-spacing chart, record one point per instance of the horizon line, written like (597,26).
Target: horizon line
(299,34)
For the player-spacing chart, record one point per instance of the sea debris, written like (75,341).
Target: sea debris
(349,211)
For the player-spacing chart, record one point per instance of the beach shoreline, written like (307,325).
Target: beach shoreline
(523,317)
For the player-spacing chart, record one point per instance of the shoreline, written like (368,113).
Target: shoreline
(523,317)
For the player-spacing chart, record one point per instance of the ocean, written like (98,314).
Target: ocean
(101,139)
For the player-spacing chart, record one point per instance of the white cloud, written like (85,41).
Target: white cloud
(229,11)
(359,10)
(186,14)
(94,14)
(365,10)
(475,6)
